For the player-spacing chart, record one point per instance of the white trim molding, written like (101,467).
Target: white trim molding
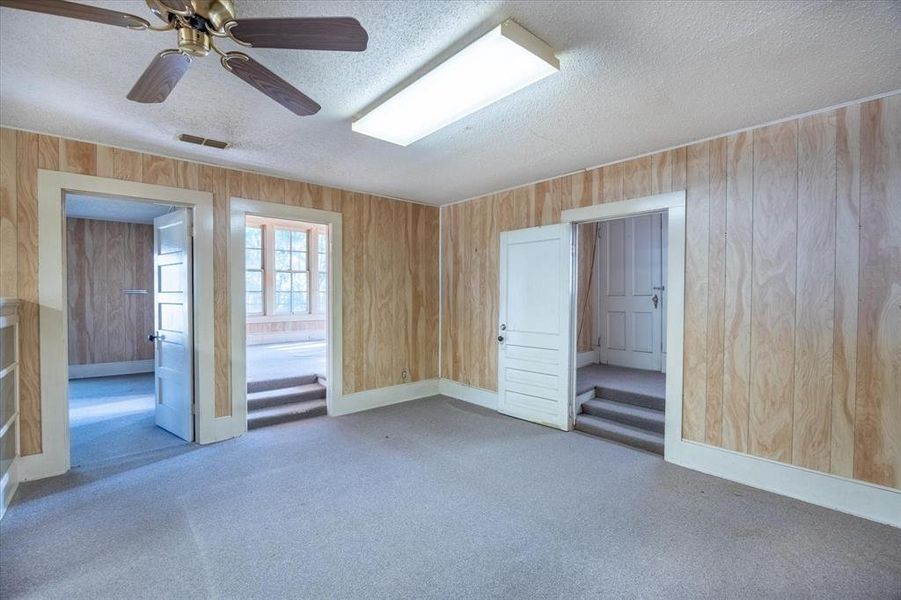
(466,393)
(589,357)
(125,367)
(394,394)
(858,498)
(52,186)
(240,209)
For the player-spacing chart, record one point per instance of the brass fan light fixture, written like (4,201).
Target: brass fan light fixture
(198,23)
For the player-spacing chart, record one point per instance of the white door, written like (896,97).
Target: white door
(173,323)
(534,330)
(632,292)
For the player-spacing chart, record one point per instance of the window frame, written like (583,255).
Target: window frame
(315,312)
(261,270)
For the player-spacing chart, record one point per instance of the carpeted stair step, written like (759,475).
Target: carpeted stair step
(284,382)
(282,396)
(285,414)
(628,397)
(624,434)
(639,417)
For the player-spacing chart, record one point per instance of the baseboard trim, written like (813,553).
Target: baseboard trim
(126,367)
(473,395)
(369,399)
(858,498)
(587,358)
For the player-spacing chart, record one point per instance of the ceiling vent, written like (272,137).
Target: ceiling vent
(194,139)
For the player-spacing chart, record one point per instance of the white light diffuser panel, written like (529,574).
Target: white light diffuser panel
(501,62)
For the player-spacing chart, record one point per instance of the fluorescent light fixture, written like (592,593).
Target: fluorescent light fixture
(501,62)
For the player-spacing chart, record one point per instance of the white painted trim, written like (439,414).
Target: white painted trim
(240,208)
(473,395)
(626,208)
(52,185)
(583,398)
(385,396)
(587,358)
(858,498)
(125,367)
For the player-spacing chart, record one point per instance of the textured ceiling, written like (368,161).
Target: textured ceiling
(635,77)
(79,206)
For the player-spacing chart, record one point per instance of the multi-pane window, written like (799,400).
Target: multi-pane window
(322,272)
(292,275)
(253,274)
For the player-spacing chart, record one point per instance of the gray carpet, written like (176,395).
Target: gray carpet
(649,383)
(113,417)
(428,499)
(290,359)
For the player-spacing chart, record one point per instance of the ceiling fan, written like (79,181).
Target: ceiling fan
(197,23)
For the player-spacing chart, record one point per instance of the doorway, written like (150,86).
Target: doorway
(286,311)
(620,374)
(129,327)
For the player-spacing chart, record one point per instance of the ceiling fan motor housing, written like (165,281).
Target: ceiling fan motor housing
(193,41)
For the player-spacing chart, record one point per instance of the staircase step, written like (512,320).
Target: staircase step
(285,414)
(628,397)
(639,417)
(263,385)
(646,440)
(283,396)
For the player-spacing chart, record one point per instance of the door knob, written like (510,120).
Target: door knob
(500,338)
(655,300)
(154,337)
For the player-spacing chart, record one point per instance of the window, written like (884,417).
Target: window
(253,274)
(292,277)
(322,272)
(286,269)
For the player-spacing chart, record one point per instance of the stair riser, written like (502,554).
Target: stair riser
(257,422)
(656,448)
(262,403)
(631,420)
(630,398)
(277,384)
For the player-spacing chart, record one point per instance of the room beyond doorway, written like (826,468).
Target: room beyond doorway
(129,327)
(286,295)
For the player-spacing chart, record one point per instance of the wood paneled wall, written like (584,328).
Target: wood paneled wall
(103,258)
(390,281)
(792,290)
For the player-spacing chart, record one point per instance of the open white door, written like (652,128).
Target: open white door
(535,333)
(631,292)
(173,323)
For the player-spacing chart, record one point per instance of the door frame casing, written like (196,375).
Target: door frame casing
(672,204)
(240,208)
(55,458)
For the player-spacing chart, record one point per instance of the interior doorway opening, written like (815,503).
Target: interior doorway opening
(286,299)
(621,330)
(128,270)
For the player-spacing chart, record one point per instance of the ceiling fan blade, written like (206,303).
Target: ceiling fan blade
(158,80)
(303,33)
(270,84)
(78,11)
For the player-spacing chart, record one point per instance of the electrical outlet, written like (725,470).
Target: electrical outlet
(403,375)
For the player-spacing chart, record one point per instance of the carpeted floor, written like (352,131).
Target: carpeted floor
(428,499)
(649,383)
(113,417)
(291,359)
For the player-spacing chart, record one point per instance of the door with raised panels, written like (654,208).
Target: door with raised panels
(632,292)
(173,323)
(534,330)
